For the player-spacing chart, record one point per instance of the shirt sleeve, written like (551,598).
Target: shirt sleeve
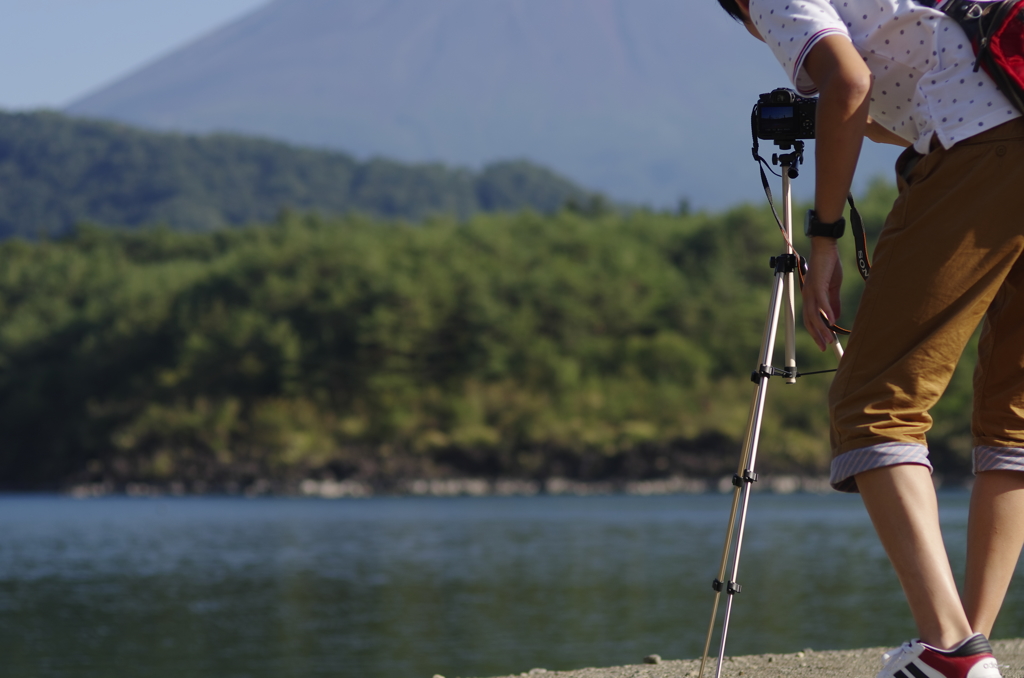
(791,28)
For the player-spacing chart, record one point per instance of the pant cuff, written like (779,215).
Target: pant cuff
(987,458)
(849,464)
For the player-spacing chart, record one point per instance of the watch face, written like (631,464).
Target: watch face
(810,221)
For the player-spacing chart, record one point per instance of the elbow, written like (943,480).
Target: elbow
(851,86)
(859,85)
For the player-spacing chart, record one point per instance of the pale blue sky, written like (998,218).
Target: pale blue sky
(54,51)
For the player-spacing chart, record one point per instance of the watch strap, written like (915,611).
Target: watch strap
(814,227)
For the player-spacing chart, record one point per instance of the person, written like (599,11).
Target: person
(948,257)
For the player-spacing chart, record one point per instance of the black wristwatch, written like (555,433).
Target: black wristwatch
(813,227)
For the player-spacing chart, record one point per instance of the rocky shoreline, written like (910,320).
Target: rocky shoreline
(452,487)
(329,488)
(863,663)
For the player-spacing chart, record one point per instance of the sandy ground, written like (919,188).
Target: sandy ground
(825,664)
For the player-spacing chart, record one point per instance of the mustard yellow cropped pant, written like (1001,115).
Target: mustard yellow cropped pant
(949,256)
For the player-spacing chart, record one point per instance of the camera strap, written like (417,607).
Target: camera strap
(860,240)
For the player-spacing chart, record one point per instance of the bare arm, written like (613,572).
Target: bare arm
(844,86)
(844,83)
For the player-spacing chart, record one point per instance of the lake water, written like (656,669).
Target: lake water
(412,587)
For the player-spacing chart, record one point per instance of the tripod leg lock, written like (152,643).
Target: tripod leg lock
(783,263)
(732,588)
(747,477)
(767,372)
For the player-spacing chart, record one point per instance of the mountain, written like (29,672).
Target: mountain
(57,171)
(646,100)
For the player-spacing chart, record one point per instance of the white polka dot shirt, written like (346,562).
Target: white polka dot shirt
(923,64)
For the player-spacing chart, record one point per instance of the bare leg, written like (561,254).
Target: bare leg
(995,534)
(902,504)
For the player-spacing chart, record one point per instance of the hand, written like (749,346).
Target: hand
(821,289)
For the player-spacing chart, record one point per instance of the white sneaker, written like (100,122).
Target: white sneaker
(970,659)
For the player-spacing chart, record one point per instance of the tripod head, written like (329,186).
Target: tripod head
(790,161)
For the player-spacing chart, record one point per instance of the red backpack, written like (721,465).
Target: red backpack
(996,31)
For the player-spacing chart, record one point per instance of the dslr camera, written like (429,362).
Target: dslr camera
(783,116)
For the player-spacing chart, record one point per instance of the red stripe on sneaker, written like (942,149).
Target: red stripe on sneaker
(952,667)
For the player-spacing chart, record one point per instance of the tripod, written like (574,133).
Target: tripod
(783,294)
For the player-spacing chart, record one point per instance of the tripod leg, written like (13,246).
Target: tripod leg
(789,324)
(721,571)
(837,348)
(743,479)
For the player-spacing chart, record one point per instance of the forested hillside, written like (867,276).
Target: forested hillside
(603,91)
(57,171)
(511,345)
